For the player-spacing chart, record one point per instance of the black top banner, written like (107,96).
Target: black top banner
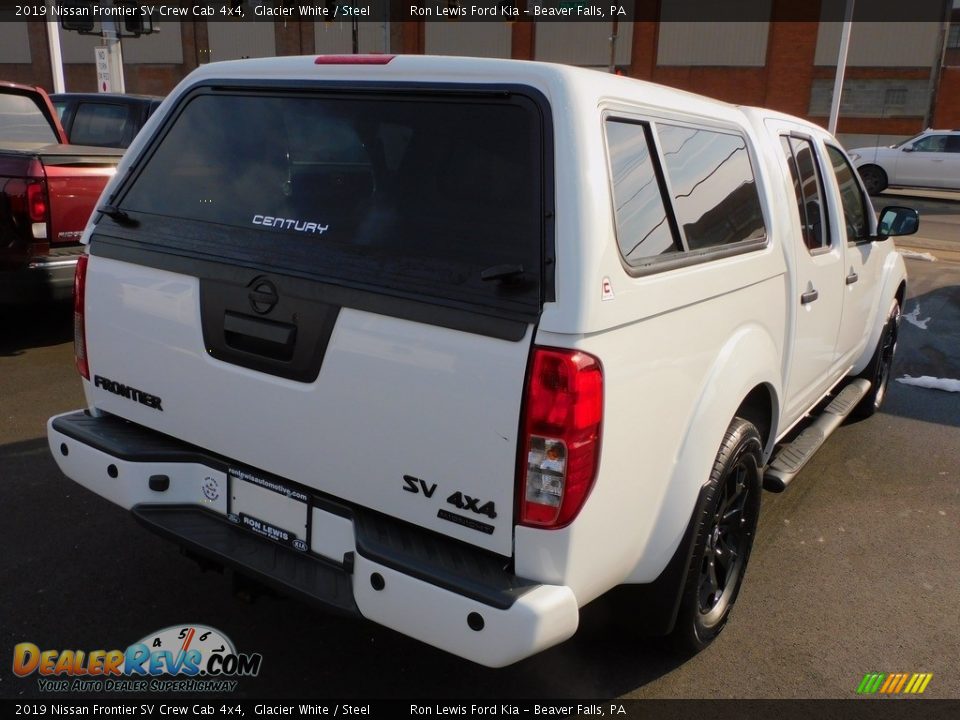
(622,709)
(718,11)
(186,706)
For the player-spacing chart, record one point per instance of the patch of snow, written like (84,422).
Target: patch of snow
(914,255)
(926,381)
(914,318)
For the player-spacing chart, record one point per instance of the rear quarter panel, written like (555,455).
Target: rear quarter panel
(680,351)
(73,191)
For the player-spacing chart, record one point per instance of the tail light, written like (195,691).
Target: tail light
(79,317)
(37,208)
(37,201)
(561,434)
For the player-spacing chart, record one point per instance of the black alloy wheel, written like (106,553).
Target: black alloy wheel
(727,544)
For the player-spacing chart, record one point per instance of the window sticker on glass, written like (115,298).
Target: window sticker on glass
(290,224)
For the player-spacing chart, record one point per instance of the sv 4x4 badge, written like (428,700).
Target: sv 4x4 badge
(459,500)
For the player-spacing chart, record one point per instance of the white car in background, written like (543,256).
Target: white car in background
(931,159)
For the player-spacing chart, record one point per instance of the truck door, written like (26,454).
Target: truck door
(927,162)
(818,285)
(861,260)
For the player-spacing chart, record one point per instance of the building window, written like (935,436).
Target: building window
(896,97)
(953,38)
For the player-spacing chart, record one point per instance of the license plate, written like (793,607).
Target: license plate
(269,508)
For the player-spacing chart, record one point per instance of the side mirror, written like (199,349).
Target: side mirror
(907,148)
(895,220)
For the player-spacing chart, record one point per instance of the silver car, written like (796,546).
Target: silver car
(931,159)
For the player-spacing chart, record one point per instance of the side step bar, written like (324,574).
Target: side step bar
(790,458)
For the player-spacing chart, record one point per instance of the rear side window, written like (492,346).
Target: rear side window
(643,230)
(807,185)
(681,193)
(854,201)
(22,121)
(423,194)
(99,124)
(714,192)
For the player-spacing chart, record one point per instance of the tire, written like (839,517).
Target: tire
(874,178)
(724,538)
(880,368)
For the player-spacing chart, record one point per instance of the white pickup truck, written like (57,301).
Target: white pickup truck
(460,345)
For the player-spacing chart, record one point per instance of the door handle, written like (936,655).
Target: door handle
(852,278)
(809,296)
(255,335)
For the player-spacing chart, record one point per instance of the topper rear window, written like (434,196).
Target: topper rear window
(440,194)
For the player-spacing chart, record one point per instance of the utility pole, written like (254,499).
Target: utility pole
(841,68)
(613,46)
(111,40)
(108,56)
(56,57)
(933,86)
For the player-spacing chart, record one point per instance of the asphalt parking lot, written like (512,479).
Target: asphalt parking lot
(856,567)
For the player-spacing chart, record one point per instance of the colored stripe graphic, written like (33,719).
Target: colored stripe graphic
(903,680)
(894,683)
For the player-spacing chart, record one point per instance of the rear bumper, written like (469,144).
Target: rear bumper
(440,591)
(43,279)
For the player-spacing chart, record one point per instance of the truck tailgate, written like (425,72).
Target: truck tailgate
(76,175)
(402,416)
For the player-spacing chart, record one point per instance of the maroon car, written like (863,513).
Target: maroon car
(48,188)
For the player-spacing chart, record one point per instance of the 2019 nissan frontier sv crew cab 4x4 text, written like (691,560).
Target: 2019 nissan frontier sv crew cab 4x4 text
(459,345)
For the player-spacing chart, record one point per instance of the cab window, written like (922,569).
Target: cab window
(808,187)
(854,201)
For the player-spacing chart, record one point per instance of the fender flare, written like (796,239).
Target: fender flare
(749,359)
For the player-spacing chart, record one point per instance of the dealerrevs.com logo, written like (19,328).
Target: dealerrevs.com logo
(187,658)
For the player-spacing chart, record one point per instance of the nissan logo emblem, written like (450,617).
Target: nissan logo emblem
(263,296)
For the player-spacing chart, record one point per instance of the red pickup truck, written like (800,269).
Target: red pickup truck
(48,188)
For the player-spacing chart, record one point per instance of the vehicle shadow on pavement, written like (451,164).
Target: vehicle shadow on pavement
(601,661)
(32,326)
(19,453)
(925,206)
(928,347)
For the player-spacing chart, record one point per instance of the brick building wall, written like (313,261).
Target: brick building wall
(784,81)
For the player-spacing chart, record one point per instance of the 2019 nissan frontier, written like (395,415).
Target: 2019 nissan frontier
(459,345)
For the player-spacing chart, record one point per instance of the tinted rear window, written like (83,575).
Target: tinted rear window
(22,121)
(99,124)
(416,192)
(714,193)
(643,228)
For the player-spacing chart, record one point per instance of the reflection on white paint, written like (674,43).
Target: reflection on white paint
(914,318)
(926,381)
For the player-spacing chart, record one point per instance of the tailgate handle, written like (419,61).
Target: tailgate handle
(268,338)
